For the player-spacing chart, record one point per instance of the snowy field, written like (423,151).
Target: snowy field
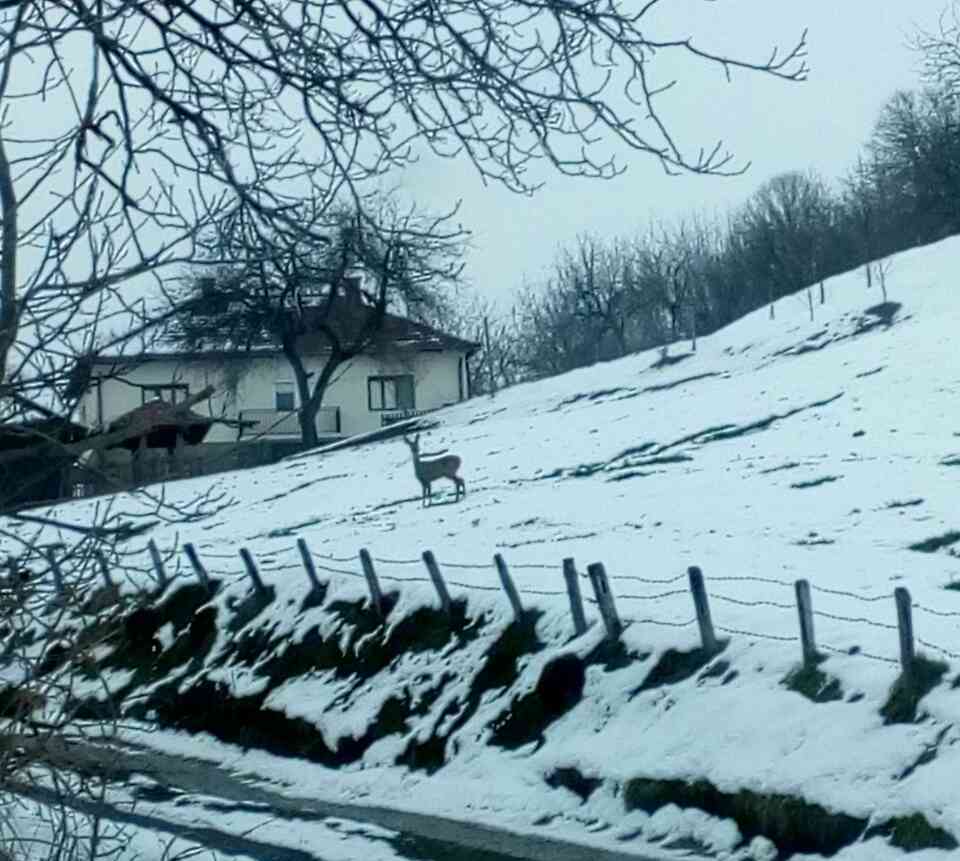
(783,449)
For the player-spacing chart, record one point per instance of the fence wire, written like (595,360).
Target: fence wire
(333,564)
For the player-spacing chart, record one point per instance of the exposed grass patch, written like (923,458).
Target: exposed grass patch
(586,469)
(613,655)
(765,424)
(814,684)
(913,833)
(908,690)
(662,459)
(666,361)
(793,464)
(574,780)
(643,448)
(358,648)
(904,503)
(587,396)
(937,542)
(552,540)
(555,473)
(209,707)
(675,666)
(559,689)
(180,605)
(793,824)
(662,387)
(884,311)
(927,755)
(628,474)
(499,671)
(368,648)
(815,482)
(249,607)
(718,670)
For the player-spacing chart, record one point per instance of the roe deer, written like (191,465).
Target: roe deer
(428,471)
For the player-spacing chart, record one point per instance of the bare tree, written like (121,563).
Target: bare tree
(784,236)
(331,299)
(496,361)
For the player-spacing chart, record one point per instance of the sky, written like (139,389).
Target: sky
(858,55)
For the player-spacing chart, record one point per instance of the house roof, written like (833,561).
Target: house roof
(160,423)
(396,332)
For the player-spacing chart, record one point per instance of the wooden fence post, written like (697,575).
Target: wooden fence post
(573,592)
(434,570)
(197,565)
(376,596)
(157,560)
(905,626)
(805,609)
(605,602)
(702,606)
(104,569)
(254,573)
(308,565)
(512,595)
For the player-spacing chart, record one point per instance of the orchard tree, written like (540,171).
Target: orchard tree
(330,298)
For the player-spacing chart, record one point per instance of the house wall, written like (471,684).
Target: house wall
(249,383)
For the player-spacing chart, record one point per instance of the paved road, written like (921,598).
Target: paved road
(419,836)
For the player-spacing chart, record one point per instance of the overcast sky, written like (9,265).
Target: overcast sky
(858,56)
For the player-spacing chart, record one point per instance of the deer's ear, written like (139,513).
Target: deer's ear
(416,438)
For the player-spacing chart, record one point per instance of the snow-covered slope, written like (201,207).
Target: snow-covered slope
(785,448)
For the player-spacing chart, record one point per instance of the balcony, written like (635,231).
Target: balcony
(400,415)
(281,424)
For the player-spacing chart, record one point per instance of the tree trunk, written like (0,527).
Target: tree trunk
(307,413)
(311,400)
(8,261)
(307,416)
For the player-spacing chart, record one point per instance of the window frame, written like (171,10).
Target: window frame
(277,393)
(182,389)
(380,381)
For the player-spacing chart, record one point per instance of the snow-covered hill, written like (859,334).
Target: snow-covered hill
(785,448)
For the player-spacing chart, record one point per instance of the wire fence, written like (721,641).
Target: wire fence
(605,595)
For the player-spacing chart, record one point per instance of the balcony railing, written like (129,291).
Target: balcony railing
(400,415)
(281,423)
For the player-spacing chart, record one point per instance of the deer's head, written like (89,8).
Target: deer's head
(414,444)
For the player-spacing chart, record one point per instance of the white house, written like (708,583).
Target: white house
(413,369)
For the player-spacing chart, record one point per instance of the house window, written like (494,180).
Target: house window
(284,399)
(390,393)
(174,393)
